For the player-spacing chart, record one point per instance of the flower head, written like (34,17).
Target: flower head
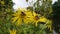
(21,16)
(35,18)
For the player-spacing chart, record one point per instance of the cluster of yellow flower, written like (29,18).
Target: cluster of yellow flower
(28,16)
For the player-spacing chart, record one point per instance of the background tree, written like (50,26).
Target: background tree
(6,8)
(43,7)
(56,16)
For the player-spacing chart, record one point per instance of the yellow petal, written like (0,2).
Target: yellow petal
(19,22)
(42,19)
(34,14)
(12,31)
(14,19)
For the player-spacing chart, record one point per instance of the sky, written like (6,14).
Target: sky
(22,3)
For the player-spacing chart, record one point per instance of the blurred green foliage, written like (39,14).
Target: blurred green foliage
(6,8)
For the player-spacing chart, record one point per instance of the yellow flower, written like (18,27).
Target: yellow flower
(19,15)
(35,18)
(12,31)
(22,16)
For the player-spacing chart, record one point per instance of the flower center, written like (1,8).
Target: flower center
(36,18)
(23,14)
